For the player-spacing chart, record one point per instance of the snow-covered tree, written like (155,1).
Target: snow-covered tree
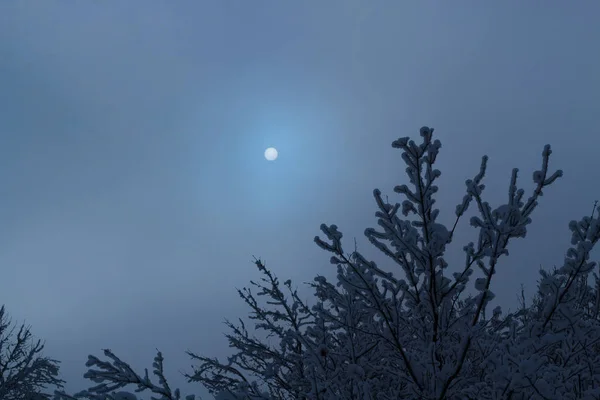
(24,372)
(409,330)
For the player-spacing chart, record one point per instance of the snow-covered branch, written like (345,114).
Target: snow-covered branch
(24,372)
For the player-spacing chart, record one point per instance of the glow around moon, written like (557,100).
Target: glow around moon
(271,153)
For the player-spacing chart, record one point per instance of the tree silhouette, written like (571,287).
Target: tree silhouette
(380,334)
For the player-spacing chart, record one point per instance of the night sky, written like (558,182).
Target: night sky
(133,187)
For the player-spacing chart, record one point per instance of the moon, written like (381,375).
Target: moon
(271,153)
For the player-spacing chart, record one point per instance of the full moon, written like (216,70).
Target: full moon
(271,153)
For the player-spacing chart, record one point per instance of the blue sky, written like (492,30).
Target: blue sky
(133,187)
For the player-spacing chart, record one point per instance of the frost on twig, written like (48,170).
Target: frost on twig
(116,374)
(24,372)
